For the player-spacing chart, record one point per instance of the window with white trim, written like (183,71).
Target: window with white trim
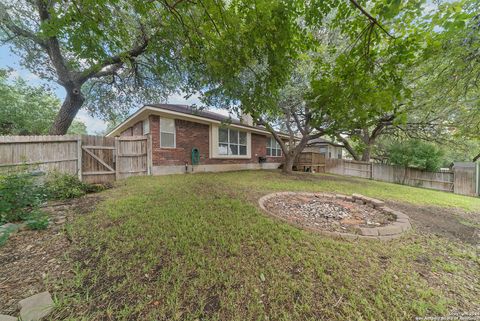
(167,133)
(146,127)
(273,148)
(232,142)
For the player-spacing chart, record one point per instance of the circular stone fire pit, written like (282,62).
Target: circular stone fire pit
(349,217)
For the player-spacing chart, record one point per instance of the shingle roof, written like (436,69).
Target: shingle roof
(189,110)
(185,109)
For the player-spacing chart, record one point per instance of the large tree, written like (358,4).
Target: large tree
(28,110)
(106,54)
(261,80)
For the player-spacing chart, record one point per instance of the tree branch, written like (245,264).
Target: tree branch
(52,47)
(9,25)
(348,147)
(370,17)
(112,63)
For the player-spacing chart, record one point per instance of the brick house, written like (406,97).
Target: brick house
(186,139)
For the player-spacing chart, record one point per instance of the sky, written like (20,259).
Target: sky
(94,125)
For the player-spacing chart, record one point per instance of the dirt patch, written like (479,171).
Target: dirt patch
(326,213)
(452,223)
(30,259)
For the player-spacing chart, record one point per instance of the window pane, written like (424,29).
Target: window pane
(146,127)
(223,149)
(269,153)
(279,152)
(269,143)
(233,137)
(167,140)
(243,138)
(167,125)
(233,150)
(223,135)
(243,150)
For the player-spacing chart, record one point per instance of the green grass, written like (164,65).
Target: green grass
(264,181)
(196,247)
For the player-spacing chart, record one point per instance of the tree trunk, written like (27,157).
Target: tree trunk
(289,160)
(292,154)
(70,107)
(366,153)
(349,147)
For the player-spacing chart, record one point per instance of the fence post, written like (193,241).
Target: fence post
(149,154)
(79,157)
(117,165)
(477,179)
(371,170)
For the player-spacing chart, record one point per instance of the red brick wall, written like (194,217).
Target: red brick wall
(190,135)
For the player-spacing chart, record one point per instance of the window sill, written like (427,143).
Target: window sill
(232,157)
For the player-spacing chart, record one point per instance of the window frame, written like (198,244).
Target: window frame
(146,124)
(272,144)
(228,143)
(166,132)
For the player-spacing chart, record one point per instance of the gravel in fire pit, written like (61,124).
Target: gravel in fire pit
(328,214)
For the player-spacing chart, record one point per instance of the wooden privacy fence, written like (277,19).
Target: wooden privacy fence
(310,162)
(95,159)
(461,180)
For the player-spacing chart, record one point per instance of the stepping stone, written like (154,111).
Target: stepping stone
(4,317)
(36,307)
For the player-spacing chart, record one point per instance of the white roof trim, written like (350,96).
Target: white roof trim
(136,117)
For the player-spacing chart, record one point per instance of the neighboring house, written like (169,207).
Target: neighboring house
(186,139)
(326,148)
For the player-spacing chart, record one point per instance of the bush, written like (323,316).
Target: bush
(60,186)
(417,154)
(19,194)
(37,220)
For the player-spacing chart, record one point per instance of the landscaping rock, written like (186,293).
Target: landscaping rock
(36,307)
(357,196)
(377,203)
(4,317)
(389,230)
(368,231)
(404,225)
(335,215)
(10,227)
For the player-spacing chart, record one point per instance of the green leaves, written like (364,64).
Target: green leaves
(28,110)
(415,153)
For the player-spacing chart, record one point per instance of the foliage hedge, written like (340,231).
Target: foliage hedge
(22,193)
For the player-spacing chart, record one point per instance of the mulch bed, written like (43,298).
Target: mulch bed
(29,259)
(329,214)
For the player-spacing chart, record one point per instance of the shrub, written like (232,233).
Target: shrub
(417,154)
(61,186)
(37,220)
(19,194)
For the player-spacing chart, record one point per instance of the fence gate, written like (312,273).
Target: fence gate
(98,159)
(131,156)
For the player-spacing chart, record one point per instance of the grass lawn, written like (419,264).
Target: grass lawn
(196,247)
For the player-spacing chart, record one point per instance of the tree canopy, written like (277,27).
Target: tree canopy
(28,110)
(353,70)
